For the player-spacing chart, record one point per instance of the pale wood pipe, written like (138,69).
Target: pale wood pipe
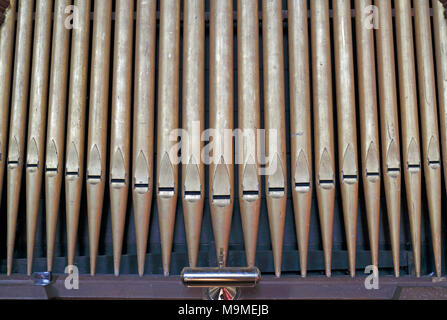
(274,108)
(120,124)
(97,123)
(369,125)
(221,175)
(300,124)
(249,122)
(410,124)
(143,124)
(18,113)
(389,125)
(77,108)
(440,34)
(193,169)
(37,121)
(346,123)
(323,123)
(55,140)
(7,32)
(168,109)
(430,137)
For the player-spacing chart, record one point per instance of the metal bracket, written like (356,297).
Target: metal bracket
(41,279)
(221,283)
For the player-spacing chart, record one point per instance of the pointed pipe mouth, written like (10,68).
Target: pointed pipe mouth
(32,167)
(393,172)
(302,187)
(250,195)
(276,192)
(166,192)
(72,175)
(326,184)
(118,183)
(141,187)
(220,277)
(94,179)
(192,196)
(221,200)
(350,178)
(414,167)
(51,172)
(372,176)
(12,164)
(434,164)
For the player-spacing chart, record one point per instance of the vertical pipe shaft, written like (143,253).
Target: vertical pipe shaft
(77,107)
(55,140)
(410,124)
(389,124)
(193,170)
(143,136)
(300,124)
(274,106)
(37,120)
(221,173)
(429,119)
(6,62)
(369,133)
(19,103)
(168,105)
(120,124)
(249,122)
(440,33)
(97,122)
(323,122)
(346,118)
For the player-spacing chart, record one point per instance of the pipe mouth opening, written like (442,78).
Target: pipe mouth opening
(141,187)
(276,192)
(434,164)
(94,179)
(221,200)
(393,172)
(414,167)
(302,187)
(327,184)
(250,195)
(166,192)
(192,196)
(350,178)
(372,176)
(51,172)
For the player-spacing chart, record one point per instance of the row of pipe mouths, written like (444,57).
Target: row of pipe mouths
(56,67)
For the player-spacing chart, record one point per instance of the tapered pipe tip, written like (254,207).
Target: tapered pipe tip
(9,265)
(141,268)
(117,272)
(141,263)
(278,273)
(49,265)
(328,273)
(303,274)
(166,273)
(92,265)
(396,273)
(352,274)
